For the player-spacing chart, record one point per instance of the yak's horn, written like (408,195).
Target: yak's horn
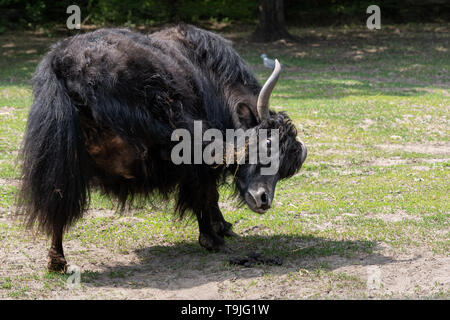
(264,95)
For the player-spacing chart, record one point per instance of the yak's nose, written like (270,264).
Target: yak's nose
(304,150)
(262,199)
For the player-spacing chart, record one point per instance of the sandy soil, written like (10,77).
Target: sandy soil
(145,274)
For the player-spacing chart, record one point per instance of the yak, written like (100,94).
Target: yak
(105,106)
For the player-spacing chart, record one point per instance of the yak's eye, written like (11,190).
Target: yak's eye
(269,143)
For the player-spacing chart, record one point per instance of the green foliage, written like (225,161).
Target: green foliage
(219,9)
(117,11)
(38,13)
(332,12)
(103,12)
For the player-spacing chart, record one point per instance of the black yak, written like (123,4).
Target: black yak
(105,106)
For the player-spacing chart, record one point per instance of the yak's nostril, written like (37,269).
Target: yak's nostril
(260,199)
(264,199)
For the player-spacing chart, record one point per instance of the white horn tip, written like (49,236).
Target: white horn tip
(277,64)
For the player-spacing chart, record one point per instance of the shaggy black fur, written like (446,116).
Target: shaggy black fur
(105,105)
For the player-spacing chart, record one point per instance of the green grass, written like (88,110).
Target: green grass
(368,105)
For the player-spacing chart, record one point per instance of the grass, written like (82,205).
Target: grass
(372,108)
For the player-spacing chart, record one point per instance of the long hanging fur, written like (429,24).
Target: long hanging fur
(123,93)
(54,187)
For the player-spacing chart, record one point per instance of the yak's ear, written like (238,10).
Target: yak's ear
(247,117)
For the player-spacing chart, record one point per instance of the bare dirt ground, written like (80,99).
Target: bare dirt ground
(146,274)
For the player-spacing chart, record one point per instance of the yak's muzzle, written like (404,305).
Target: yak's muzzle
(258,200)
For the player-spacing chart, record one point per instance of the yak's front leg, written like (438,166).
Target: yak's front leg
(57,262)
(219,224)
(209,238)
(202,200)
(213,226)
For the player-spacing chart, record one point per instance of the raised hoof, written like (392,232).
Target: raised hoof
(225,229)
(230,233)
(210,242)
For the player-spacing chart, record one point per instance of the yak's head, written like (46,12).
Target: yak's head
(256,182)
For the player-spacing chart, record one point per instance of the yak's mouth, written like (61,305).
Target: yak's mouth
(258,203)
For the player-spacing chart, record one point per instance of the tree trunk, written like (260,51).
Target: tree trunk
(272,25)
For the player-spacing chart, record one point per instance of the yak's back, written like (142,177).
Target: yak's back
(171,76)
(122,63)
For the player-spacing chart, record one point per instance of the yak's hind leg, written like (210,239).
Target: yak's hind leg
(57,262)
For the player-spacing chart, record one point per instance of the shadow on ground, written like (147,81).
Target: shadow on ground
(186,265)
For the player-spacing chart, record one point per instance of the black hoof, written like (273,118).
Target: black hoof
(225,229)
(57,264)
(230,233)
(211,242)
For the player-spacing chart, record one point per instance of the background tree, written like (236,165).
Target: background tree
(272,25)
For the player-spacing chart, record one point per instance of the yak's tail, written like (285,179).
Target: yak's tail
(54,189)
